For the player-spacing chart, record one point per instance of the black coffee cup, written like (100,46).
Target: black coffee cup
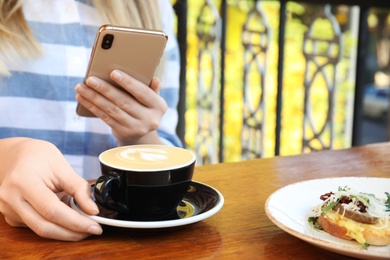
(144,182)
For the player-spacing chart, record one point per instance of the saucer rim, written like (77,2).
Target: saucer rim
(157,224)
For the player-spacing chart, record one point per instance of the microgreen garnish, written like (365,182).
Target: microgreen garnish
(345,188)
(313,221)
(365,245)
(330,206)
(387,203)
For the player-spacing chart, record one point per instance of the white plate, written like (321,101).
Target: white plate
(200,202)
(290,206)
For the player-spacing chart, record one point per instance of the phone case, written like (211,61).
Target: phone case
(134,51)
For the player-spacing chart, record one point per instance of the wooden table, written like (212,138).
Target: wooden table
(241,230)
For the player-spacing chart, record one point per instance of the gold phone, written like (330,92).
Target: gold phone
(134,51)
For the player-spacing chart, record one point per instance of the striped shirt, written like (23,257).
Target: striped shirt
(38,100)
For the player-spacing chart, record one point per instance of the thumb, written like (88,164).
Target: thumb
(80,190)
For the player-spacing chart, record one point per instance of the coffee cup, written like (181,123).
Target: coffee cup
(144,182)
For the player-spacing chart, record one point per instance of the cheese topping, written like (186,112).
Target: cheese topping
(373,206)
(355,229)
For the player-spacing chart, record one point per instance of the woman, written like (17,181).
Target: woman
(45,148)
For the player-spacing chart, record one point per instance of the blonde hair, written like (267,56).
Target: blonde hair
(17,41)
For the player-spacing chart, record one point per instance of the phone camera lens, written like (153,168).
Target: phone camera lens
(107,41)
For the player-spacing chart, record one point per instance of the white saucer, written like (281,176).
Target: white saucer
(291,214)
(200,202)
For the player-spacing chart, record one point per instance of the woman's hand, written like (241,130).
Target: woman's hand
(32,175)
(134,114)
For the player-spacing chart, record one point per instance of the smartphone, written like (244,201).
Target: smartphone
(134,51)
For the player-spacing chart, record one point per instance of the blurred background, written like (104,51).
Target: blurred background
(278,78)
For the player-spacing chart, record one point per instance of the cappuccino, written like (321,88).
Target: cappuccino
(147,157)
(144,182)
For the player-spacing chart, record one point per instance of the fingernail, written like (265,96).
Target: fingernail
(94,207)
(95,230)
(92,82)
(116,75)
(79,88)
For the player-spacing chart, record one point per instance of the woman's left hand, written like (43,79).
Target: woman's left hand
(134,113)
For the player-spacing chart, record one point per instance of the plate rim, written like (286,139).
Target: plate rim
(344,247)
(156,224)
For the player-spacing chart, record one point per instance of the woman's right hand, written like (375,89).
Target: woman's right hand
(33,174)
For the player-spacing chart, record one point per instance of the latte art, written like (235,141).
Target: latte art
(144,182)
(143,155)
(147,157)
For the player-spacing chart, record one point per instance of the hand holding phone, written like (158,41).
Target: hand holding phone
(136,52)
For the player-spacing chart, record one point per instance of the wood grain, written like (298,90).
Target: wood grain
(241,230)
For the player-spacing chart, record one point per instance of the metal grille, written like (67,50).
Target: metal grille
(255,38)
(208,32)
(322,56)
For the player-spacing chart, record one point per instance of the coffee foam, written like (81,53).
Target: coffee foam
(147,157)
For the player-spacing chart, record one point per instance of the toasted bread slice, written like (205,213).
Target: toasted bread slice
(339,226)
(330,226)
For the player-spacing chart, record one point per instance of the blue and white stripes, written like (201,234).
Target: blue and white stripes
(38,100)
